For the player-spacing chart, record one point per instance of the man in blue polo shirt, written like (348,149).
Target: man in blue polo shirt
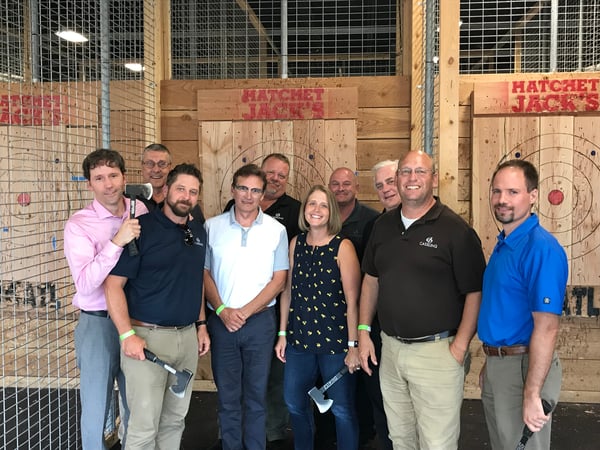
(246,268)
(154,299)
(523,293)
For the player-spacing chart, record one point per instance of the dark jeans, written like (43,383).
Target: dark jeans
(301,372)
(241,362)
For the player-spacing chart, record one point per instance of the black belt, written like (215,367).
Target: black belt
(96,313)
(430,338)
(139,323)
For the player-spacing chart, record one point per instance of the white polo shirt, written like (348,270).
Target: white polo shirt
(242,260)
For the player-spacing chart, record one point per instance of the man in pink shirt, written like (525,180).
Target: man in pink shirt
(94,240)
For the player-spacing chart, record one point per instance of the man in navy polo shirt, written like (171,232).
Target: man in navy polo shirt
(523,293)
(154,299)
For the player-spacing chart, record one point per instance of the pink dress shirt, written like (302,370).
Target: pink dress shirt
(91,254)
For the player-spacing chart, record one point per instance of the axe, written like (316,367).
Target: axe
(183,376)
(133,192)
(317,393)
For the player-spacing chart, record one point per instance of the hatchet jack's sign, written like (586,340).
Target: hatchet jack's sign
(538,96)
(304,103)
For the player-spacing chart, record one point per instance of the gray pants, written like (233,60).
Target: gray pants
(502,398)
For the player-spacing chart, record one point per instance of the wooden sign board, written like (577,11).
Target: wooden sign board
(538,96)
(304,103)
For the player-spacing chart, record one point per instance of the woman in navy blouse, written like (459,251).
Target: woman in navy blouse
(319,318)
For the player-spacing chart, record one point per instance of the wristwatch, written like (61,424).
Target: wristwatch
(352,343)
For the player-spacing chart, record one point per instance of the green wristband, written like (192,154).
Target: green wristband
(220,309)
(125,335)
(364,327)
(282,333)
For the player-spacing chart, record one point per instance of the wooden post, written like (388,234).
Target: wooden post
(448,101)
(414,61)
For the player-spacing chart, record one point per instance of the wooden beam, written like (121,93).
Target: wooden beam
(417,70)
(448,101)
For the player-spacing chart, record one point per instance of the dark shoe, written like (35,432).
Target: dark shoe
(278,444)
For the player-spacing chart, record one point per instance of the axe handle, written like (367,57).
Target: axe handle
(150,356)
(343,371)
(132,246)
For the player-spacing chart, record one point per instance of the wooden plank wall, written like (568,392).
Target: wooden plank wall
(383,124)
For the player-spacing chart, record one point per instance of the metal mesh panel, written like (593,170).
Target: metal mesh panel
(52,114)
(218,39)
(529,36)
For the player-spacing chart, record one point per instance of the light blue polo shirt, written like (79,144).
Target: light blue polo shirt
(242,260)
(527,272)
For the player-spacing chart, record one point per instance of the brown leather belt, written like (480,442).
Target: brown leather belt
(139,323)
(511,350)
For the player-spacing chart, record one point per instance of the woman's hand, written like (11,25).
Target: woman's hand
(352,360)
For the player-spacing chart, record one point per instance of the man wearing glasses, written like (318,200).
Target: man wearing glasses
(423,275)
(246,268)
(156,163)
(155,300)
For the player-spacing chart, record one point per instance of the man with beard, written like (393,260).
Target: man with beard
(156,161)
(423,270)
(523,291)
(155,300)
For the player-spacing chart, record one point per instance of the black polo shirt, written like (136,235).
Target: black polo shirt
(424,272)
(354,226)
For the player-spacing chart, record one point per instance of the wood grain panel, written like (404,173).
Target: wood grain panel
(383,123)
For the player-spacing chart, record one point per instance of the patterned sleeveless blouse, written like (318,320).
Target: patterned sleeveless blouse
(317,321)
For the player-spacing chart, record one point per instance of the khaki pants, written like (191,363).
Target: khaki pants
(422,388)
(157,416)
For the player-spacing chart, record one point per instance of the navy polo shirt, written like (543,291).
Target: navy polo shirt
(165,280)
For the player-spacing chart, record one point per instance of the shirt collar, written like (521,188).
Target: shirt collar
(104,213)
(258,220)
(518,233)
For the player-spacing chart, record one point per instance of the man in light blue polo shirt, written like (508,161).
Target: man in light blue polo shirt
(522,300)
(245,269)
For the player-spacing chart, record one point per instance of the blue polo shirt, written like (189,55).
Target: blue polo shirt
(165,280)
(527,272)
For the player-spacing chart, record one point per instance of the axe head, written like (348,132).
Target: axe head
(183,379)
(138,191)
(322,403)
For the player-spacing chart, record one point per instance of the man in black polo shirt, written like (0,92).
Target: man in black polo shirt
(154,299)
(423,274)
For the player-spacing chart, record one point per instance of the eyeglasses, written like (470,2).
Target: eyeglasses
(419,171)
(150,164)
(188,236)
(246,189)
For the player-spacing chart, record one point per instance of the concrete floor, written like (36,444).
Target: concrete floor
(576,426)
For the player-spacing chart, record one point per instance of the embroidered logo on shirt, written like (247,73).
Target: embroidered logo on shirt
(546,300)
(428,243)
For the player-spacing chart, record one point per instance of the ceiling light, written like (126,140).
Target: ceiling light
(135,67)
(71,36)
